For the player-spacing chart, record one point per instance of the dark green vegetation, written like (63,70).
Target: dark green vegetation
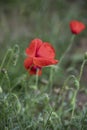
(23,105)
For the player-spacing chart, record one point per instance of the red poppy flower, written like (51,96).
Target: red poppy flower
(39,54)
(76,27)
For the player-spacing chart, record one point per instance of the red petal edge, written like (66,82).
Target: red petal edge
(44,62)
(28,63)
(33,47)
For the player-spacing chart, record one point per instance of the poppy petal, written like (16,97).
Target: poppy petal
(76,26)
(44,62)
(28,62)
(33,71)
(46,51)
(33,47)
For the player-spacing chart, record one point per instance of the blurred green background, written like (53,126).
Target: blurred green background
(23,20)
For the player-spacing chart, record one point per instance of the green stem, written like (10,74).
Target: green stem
(19,105)
(8,80)
(9,50)
(64,85)
(74,103)
(51,79)
(77,85)
(5,73)
(81,69)
(10,58)
(37,77)
(67,50)
(67,80)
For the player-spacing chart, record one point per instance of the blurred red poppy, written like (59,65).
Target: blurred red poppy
(39,54)
(76,27)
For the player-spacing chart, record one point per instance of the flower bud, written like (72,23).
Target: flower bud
(76,82)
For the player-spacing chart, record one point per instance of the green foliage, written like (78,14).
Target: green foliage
(53,104)
(26,106)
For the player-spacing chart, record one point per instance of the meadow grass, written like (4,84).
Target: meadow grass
(51,101)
